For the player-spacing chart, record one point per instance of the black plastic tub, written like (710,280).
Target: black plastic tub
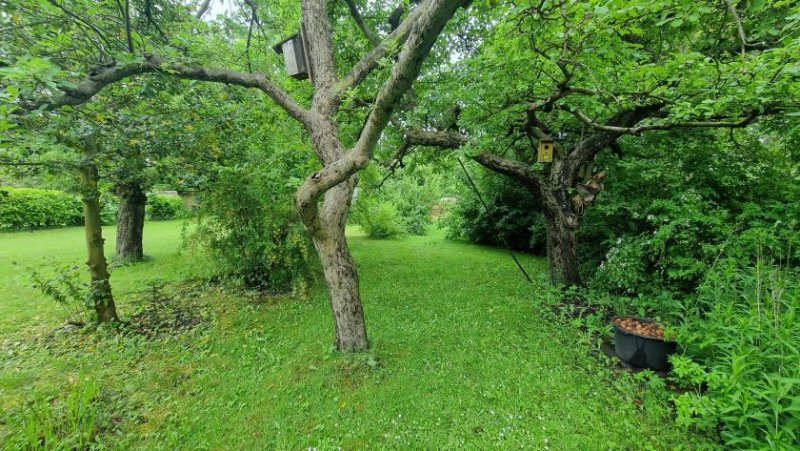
(641,351)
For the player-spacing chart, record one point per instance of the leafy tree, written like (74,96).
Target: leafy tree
(597,71)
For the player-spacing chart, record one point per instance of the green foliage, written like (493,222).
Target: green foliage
(514,218)
(685,236)
(379,219)
(66,289)
(251,228)
(742,360)
(400,203)
(670,210)
(70,424)
(28,208)
(162,208)
(109,206)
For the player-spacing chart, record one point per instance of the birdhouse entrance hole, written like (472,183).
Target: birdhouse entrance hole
(545,154)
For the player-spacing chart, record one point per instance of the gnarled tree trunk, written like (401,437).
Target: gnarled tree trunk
(130,222)
(561,218)
(342,280)
(327,230)
(562,223)
(561,255)
(98,269)
(340,271)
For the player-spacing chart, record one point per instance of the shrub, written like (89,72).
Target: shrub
(251,229)
(109,206)
(415,218)
(514,218)
(410,196)
(379,219)
(28,208)
(672,207)
(162,208)
(682,238)
(64,286)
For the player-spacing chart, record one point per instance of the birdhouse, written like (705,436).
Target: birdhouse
(294,56)
(545,154)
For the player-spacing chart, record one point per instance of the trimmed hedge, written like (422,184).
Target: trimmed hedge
(30,208)
(162,208)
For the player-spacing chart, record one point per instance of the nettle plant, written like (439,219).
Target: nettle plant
(741,360)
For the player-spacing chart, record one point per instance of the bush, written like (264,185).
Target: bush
(109,206)
(514,218)
(64,286)
(682,238)
(162,208)
(379,219)
(251,229)
(28,208)
(672,207)
(407,196)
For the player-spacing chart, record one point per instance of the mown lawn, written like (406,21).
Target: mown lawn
(466,355)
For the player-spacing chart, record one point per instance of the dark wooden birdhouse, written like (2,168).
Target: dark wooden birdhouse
(294,56)
(546,147)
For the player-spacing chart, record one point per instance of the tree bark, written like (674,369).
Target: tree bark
(342,280)
(562,218)
(98,269)
(561,255)
(341,276)
(130,222)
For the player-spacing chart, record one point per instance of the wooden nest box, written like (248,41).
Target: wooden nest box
(294,56)
(546,147)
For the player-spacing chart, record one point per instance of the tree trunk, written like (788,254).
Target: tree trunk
(562,222)
(342,280)
(130,222)
(339,267)
(561,252)
(98,268)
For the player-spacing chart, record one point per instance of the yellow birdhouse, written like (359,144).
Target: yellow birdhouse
(545,154)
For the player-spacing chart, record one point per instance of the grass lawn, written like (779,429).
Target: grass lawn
(466,354)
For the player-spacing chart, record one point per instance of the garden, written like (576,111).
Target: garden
(416,225)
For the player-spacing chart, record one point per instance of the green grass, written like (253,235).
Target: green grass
(47,248)
(465,355)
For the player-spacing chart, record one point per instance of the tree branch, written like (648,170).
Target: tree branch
(202,9)
(435,138)
(740,29)
(368,63)
(512,168)
(101,77)
(368,33)
(664,126)
(83,21)
(433,15)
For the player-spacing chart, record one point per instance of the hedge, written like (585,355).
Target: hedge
(161,208)
(29,208)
